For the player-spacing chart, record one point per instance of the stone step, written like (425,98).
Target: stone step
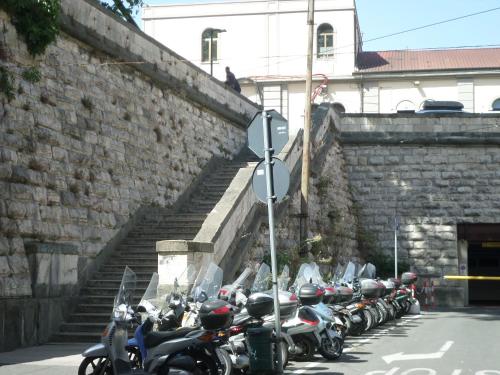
(115,275)
(148,253)
(93,299)
(115,283)
(95,308)
(177,218)
(91,317)
(140,261)
(164,232)
(168,226)
(134,267)
(110,291)
(215,185)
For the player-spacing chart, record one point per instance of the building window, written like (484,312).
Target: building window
(496,105)
(405,106)
(209,51)
(339,107)
(325,40)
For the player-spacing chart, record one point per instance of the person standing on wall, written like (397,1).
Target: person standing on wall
(231,80)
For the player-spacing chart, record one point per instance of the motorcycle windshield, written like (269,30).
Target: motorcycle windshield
(284,279)
(123,299)
(349,273)
(150,300)
(339,271)
(303,276)
(316,274)
(368,271)
(262,280)
(209,285)
(241,281)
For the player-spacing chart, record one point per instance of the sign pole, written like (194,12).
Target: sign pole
(396,247)
(268,153)
(306,153)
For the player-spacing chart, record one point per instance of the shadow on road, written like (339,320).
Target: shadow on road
(63,354)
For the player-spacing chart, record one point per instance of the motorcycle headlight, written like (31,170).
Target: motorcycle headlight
(120,312)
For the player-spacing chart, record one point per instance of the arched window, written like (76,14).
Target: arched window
(325,40)
(496,105)
(209,45)
(405,106)
(339,107)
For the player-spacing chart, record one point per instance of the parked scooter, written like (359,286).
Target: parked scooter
(254,314)
(96,358)
(172,359)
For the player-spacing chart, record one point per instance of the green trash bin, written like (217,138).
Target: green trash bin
(260,348)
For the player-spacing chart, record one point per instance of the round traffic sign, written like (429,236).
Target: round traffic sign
(281,179)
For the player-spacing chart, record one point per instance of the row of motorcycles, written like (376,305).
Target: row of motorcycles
(199,326)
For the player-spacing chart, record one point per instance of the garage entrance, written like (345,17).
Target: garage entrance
(483,259)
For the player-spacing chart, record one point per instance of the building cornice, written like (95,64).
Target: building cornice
(466,73)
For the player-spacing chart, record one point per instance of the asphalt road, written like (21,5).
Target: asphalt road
(458,342)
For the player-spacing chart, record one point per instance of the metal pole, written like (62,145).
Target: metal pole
(211,52)
(268,153)
(306,157)
(395,247)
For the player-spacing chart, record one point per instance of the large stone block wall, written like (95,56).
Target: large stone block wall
(432,173)
(100,136)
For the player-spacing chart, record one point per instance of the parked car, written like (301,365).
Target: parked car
(441,106)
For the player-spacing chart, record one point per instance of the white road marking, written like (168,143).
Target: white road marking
(355,342)
(409,357)
(308,366)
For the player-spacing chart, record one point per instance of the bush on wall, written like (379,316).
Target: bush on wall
(36,20)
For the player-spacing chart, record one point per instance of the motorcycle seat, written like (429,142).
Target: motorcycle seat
(241,319)
(156,338)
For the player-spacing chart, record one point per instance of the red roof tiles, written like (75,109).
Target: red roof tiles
(421,60)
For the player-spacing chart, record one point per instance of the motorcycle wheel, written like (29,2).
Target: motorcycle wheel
(95,365)
(284,353)
(375,316)
(331,349)
(135,357)
(399,311)
(225,361)
(349,327)
(382,312)
(392,312)
(307,347)
(369,319)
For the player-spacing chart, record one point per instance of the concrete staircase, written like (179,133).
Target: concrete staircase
(138,251)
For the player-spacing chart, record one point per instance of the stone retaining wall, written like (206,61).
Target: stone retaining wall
(117,123)
(433,172)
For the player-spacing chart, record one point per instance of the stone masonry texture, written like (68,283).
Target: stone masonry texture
(433,173)
(83,149)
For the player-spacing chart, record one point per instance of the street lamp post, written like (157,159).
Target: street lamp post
(212,31)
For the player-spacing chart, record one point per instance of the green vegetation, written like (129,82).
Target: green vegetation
(123,8)
(87,103)
(6,84)
(32,75)
(36,20)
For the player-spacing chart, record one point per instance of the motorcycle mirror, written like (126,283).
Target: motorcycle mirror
(202,297)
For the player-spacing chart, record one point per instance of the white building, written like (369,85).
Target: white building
(265,44)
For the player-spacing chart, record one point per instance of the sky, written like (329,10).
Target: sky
(379,18)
